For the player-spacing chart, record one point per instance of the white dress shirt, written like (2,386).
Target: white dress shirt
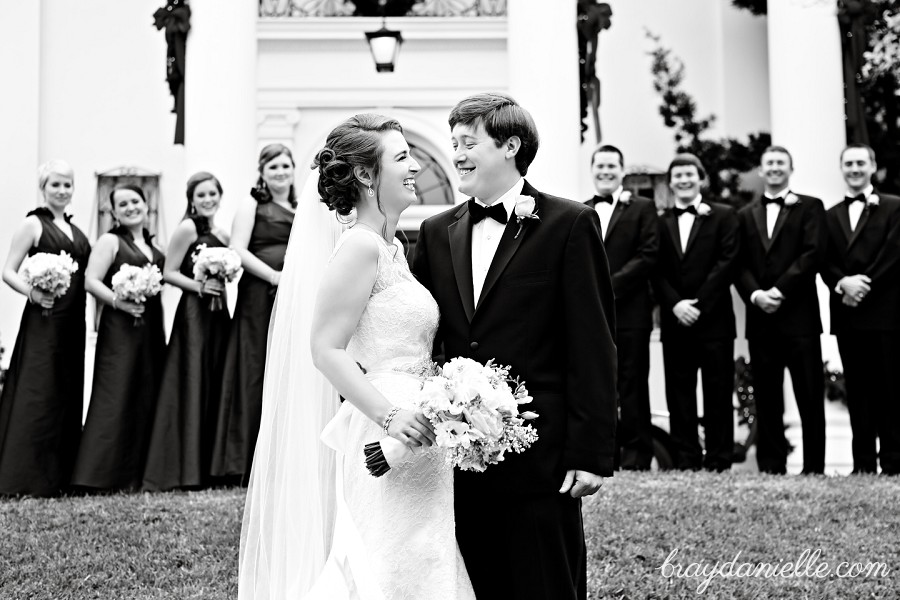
(772,211)
(605,211)
(486,238)
(856,208)
(686,221)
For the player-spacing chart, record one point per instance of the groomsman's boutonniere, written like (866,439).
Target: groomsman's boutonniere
(625,198)
(791,199)
(703,209)
(524,209)
(872,201)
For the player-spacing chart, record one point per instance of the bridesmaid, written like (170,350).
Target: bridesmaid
(129,358)
(260,232)
(180,453)
(42,400)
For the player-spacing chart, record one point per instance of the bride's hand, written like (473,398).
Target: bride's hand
(412,428)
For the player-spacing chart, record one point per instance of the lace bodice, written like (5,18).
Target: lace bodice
(397,328)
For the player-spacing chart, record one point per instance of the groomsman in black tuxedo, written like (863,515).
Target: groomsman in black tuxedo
(630,237)
(862,270)
(784,238)
(699,241)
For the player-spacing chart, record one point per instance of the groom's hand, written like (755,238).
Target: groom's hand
(580,483)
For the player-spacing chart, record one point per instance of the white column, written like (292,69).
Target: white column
(20,63)
(807,93)
(807,103)
(220,99)
(543,77)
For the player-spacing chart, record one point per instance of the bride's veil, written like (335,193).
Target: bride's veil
(290,507)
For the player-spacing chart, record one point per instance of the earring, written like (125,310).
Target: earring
(371,192)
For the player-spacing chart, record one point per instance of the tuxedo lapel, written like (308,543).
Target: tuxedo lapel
(617,214)
(843,218)
(779,224)
(672,224)
(460,234)
(509,243)
(698,223)
(759,217)
(863,219)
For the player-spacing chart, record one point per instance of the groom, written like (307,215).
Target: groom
(521,277)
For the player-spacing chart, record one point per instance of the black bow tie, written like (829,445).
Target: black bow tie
(777,200)
(495,211)
(690,209)
(857,198)
(598,198)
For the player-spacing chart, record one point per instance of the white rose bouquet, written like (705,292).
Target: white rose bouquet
(136,284)
(474,409)
(50,273)
(215,263)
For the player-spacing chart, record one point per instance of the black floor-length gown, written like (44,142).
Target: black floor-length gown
(127,370)
(245,360)
(180,452)
(43,397)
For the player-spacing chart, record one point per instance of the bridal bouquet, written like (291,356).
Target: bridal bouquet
(474,409)
(50,273)
(215,263)
(136,284)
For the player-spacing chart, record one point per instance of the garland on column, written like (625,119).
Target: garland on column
(175,17)
(593,18)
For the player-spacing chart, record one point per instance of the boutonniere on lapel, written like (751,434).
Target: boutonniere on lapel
(524,209)
(791,199)
(625,198)
(703,209)
(872,201)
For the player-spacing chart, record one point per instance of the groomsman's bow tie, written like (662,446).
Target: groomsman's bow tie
(495,211)
(777,200)
(690,209)
(857,198)
(600,198)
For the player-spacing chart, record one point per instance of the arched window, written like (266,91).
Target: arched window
(432,184)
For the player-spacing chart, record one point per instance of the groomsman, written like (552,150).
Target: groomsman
(631,241)
(784,238)
(862,271)
(698,251)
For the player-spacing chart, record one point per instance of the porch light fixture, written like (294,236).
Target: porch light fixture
(385,47)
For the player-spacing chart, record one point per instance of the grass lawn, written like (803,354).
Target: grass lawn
(185,545)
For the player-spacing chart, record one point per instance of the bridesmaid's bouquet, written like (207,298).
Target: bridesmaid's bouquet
(135,284)
(215,263)
(474,409)
(50,273)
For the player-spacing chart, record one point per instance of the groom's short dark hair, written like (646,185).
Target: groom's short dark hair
(502,118)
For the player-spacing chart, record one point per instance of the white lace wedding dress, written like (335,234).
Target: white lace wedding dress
(394,536)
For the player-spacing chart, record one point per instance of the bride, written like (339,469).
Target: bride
(316,523)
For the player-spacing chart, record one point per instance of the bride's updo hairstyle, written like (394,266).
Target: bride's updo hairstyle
(354,143)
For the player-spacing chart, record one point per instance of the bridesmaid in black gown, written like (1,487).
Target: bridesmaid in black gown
(129,356)
(260,232)
(42,401)
(181,443)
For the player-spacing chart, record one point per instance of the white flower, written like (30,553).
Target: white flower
(625,198)
(791,199)
(220,263)
(703,209)
(524,208)
(873,200)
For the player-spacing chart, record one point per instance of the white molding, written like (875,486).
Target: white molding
(351,28)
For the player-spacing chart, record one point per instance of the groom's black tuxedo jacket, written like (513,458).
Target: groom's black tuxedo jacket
(547,310)
(789,262)
(872,249)
(631,244)
(704,270)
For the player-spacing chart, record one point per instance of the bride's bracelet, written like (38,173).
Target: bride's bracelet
(390,417)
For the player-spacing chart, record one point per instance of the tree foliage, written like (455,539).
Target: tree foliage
(726,158)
